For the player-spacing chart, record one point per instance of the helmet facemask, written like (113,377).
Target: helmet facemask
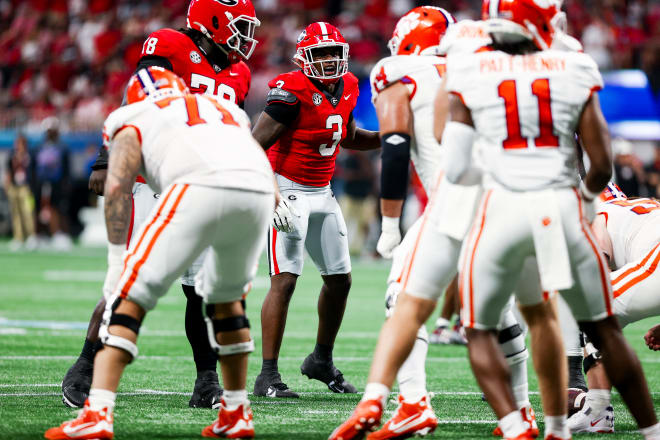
(324,61)
(242,39)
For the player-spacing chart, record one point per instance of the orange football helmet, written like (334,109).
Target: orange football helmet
(154,83)
(511,21)
(419,31)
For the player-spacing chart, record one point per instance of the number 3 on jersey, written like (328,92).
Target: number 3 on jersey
(330,123)
(515,140)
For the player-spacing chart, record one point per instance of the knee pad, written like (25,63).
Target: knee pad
(512,343)
(112,318)
(215,326)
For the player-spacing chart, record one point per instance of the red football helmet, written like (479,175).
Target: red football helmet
(229,23)
(611,192)
(322,52)
(510,21)
(419,31)
(154,83)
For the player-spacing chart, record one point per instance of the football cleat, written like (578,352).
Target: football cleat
(88,425)
(409,419)
(207,392)
(445,336)
(524,436)
(235,423)
(365,418)
(327,373)
(586,421)
(529,418)
(77,382)
(272,386)
(554,437)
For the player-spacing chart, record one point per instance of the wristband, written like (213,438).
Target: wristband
(587,194)
(390,224)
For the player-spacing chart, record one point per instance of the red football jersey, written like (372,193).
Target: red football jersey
(306,151)
(189,63)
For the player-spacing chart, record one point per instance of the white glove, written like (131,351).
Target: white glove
(283,217)
(390,236)
(115,268)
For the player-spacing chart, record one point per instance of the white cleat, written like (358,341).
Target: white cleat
(586,421)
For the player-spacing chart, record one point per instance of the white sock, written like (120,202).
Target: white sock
(557,426)
(376,390)
(412,374)
(233,399)
(100,399)
(598,400)
(652,432)
(521,394)
(442,322)
(512,425)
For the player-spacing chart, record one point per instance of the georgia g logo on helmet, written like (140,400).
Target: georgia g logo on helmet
(228,2)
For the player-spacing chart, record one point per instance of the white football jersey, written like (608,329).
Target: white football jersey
(633,226)
(465,36)
(525,109)
(195,139)
(423,76)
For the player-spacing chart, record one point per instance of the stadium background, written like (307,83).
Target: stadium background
(64,65)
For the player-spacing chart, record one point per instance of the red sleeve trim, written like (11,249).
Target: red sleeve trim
(408,80)
(604,214)
(459,96)
(140,179)
(139,133)
(593,90)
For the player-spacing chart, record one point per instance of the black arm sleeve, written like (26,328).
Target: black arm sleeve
(101,162)
(283,106)
(153,60)
(395,157)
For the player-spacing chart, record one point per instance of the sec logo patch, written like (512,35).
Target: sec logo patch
(195,57)
(317,98)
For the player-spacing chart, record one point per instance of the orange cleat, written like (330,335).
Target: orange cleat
(366,417)
(88,425)
(236,423)
(409,419)
(529,435)
(528,417)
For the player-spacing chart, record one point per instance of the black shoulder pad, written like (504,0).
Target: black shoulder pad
(281,95)
(154,60)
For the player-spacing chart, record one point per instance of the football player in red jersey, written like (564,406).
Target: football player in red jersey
(208,55)
(308,115)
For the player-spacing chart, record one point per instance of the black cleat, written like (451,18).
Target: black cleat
(272,386)
(327,373)
(77,382)
(207,392)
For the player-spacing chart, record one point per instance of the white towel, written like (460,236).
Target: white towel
(549,241)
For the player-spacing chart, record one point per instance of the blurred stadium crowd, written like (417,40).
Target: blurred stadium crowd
(71,59)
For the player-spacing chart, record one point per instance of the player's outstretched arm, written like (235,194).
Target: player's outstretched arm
(360,139)
(395,121)
(123,168)
(595,138)
(440,111)
(267,130)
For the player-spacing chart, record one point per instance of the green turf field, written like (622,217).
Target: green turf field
(47,298)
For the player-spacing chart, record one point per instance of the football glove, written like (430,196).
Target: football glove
(390,236)
(115,268)
(283,217)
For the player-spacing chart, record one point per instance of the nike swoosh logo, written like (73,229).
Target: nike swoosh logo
(81,427)
(395,426)
(594,423)
(347,96)
(220,430)
(233,74)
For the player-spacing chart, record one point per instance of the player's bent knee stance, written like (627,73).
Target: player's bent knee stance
(112,318)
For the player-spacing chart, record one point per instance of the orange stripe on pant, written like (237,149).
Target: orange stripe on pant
(146,230)
(604,278)
(474,251)
(634,268)
(639,278)
(141,261)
